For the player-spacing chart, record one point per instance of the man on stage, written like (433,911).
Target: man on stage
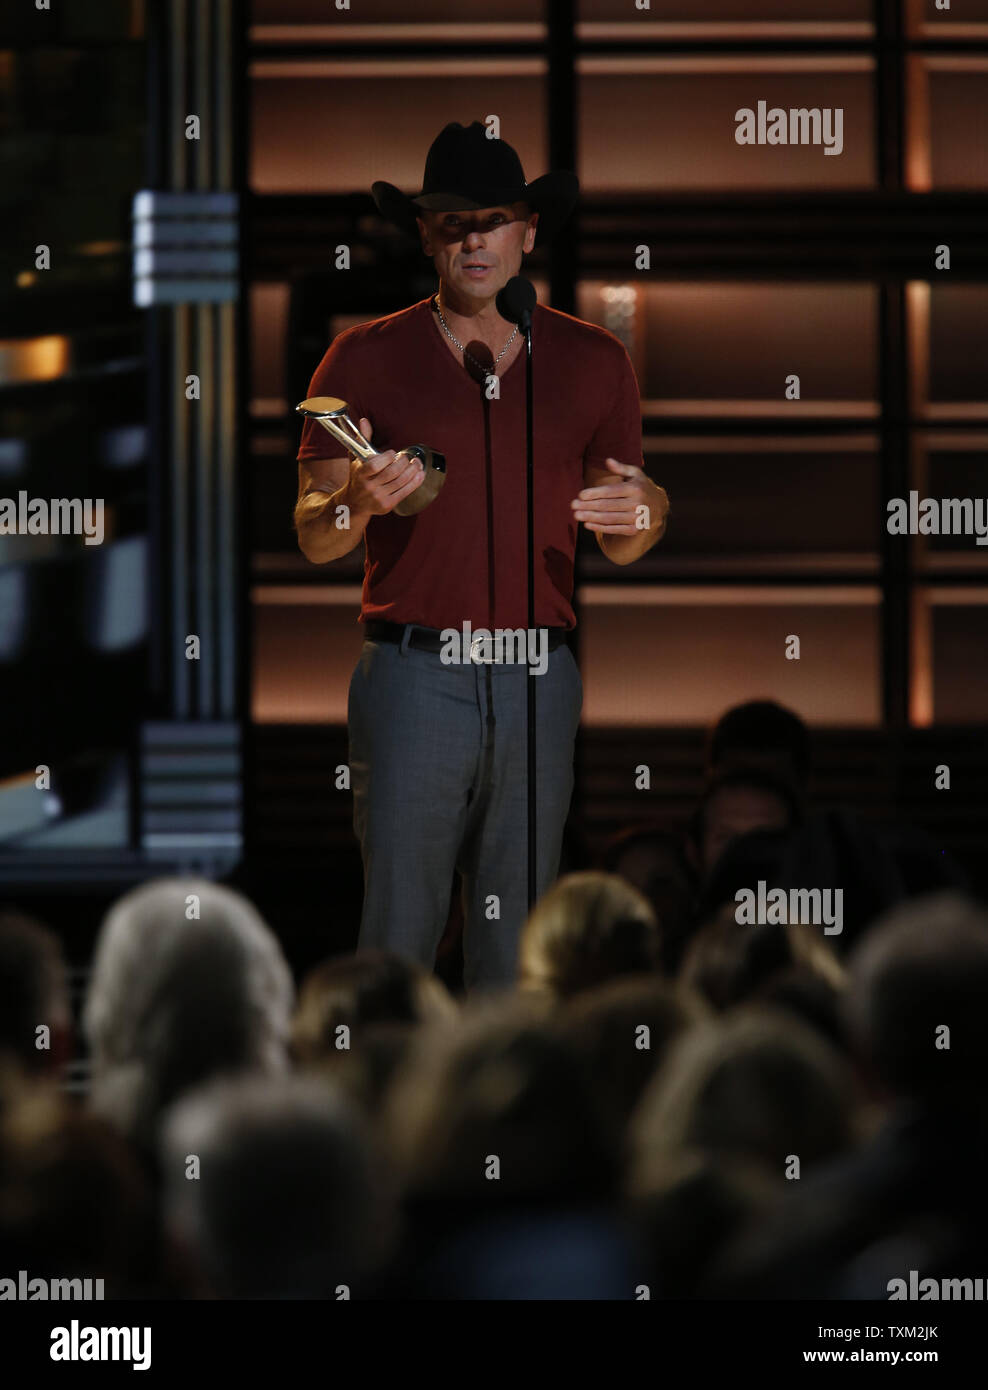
(437,749)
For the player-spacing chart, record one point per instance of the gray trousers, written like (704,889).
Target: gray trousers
(438,766)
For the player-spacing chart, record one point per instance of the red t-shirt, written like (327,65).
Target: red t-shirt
(432,569)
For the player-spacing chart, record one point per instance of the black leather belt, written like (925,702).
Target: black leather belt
(429,639)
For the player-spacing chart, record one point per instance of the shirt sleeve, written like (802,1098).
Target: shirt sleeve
(331,378)
(619,431)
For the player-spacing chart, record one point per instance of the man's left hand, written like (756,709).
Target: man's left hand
(612,509)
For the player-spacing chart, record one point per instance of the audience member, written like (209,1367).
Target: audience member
(761,735)
(736,802)
(653,861)
(74,1202)
(35,1013)
(587,928)
(728,961)
(670,1099)
(357,1016)
(623,1029)
(754,1085)
(919,1031)
(271,1190)
(508,1164)
(188,982)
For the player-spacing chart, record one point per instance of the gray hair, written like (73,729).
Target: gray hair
(188,980)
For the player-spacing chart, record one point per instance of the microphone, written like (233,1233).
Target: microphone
(516,301)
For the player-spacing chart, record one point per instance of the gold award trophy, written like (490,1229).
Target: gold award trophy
(331,413)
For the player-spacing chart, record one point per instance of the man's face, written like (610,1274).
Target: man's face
(736,810)
(493,238)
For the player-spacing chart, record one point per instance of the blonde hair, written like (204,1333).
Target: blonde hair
(589,927)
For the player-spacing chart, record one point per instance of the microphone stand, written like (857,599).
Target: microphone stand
(517,302)
(530,490)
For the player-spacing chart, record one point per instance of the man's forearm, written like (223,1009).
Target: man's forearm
(325,534)
(622,550)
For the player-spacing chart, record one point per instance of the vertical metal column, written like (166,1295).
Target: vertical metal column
(188,275)
(564,252)
(896,575)
(561,123)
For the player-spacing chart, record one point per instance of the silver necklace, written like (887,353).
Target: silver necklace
(480,365)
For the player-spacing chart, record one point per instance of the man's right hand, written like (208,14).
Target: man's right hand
(376,485)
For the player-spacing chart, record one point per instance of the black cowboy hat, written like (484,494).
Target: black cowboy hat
(466,170)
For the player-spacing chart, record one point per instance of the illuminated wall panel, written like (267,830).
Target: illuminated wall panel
(324,127)
(727,348)
(655,125)
(685,654)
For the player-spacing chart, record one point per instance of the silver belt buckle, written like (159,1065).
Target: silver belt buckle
(477,650)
